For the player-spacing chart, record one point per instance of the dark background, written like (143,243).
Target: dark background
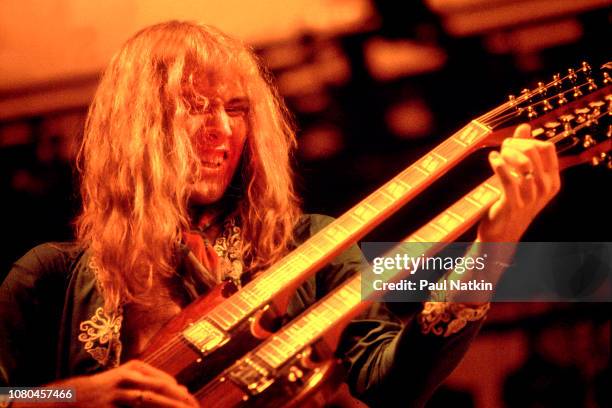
(350,143)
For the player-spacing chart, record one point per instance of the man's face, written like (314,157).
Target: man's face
(218,127)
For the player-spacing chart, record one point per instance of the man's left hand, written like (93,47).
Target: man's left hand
(529,173)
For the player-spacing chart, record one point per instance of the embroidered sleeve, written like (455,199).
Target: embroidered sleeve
(447,318)
(101,337)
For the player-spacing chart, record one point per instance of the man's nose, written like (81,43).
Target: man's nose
(217,124)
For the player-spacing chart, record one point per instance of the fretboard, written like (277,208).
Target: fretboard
(345,302)
(350,227)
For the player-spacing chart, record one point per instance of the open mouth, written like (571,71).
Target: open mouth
(213,159)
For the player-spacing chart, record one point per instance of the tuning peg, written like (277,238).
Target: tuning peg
(562,99)
(551,128)
(577,92)
(585,67)
(591,84)
(546,106)
(526,95)
(606,78)
(571,75)
(597,159)
(582,114)
(596,107)
(531,113)
(588,141)
(566,119)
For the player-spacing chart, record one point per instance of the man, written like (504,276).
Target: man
(185,161)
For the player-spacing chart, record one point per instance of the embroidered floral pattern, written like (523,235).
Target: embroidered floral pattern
(446,318)
(101,337)
(229,248)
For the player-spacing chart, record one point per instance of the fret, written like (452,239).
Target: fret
(347,294)
(388,196)
(351,222)
(430,234)
(249,298)
(285,336)
(455,215)
(448,150)
(430,163)
(417,237)
(223,321)
(335,304)
(232,309)
(311,250)
(241,304)
(447,222)
(269,285)
(413,175)
(380,200)
(423,170)
(457,139)
(337,232)
(396,188)
(296,261)
(492,187)
(476,203)
(481,127)
(268,355)
(472,132)
(353,289)
(326,312)
(483,196)
(323,241)
(442,230)
(313,324)
(255,292)
(342,296)
(365,212)
(294,329)
(303,256)
(280,345)
(465,207)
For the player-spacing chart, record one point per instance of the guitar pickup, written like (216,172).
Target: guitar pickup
(252,373)
(205,336)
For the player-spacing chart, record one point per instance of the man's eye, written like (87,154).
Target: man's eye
(237,110)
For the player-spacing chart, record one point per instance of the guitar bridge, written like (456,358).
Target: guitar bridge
(252,373)
(205,336)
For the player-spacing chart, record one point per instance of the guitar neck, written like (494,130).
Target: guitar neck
(345,303)
(358,221)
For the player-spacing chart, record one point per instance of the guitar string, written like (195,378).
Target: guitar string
(485,118)
(556,138)
(496,121)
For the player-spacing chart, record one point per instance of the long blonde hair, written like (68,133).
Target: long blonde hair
(137,163)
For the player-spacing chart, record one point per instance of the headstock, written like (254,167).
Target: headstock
(572,111)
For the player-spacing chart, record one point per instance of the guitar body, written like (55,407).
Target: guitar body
(301,383)
(172,352)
